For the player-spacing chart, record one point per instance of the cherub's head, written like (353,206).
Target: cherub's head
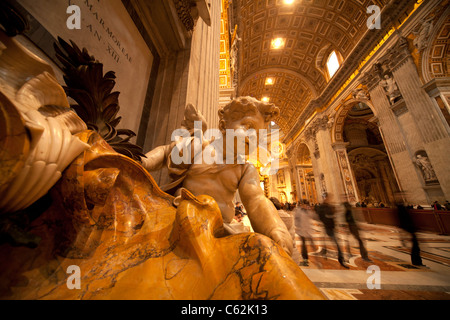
(247,113)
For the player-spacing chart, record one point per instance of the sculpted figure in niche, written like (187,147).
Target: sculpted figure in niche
(391,88)
(422,34)
(234,53)
(427,169)
(221,179)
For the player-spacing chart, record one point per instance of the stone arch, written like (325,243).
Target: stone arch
(338,125)
(434,60)
(300,148)
(277,72)
(374,180)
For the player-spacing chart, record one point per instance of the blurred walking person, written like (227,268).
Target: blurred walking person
(326,216)
(354,231)
(302,218)
(406,223)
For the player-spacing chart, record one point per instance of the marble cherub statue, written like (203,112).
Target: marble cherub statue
(242,117)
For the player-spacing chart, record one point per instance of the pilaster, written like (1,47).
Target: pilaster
(348,179)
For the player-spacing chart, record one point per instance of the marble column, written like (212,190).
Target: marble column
(434,133)
(311,141)
(393,137)
(302,188)
(186,75)
(331,182)
(292,160)
(387,183)
(203,82)
(347,176)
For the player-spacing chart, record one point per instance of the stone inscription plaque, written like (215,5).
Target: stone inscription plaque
(108,33)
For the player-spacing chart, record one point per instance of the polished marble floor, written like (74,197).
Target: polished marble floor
(389,275)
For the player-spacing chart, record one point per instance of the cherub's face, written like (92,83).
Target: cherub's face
(246,128)
(249,121)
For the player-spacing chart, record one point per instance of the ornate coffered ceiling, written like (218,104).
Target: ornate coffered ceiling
(310,30)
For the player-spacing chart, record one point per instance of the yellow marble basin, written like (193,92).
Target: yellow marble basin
(111,221)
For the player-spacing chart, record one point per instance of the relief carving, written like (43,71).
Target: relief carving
(360,94)
(422,33)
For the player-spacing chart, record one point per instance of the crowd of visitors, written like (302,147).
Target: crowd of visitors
(338,218)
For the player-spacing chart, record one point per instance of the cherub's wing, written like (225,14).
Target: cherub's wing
(191,114)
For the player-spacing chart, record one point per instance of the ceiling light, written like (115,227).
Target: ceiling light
(288,1)
(265,99)
(269,81)
(277,43)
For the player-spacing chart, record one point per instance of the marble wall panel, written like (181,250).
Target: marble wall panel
(109,34)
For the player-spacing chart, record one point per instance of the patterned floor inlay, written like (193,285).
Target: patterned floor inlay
(389,251)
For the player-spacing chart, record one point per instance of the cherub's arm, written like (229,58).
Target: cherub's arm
(156,158)
(262,213)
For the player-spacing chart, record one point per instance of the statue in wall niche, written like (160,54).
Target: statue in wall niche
(221,178)
(234,52)
(425,166)
(422,33)
(390,86)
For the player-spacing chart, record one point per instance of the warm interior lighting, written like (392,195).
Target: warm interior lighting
(269,81)
(332,64)
(288,1)
(265,99)
(277,43)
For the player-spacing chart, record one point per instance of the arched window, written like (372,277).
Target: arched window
(332,64)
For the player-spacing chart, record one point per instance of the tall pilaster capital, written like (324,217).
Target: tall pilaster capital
(310,133)
(397,55)
(319,124)
(372,77)
(322,123)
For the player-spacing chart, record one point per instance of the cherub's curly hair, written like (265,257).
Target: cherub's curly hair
(239,107)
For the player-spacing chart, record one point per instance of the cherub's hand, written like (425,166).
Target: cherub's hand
(283,238)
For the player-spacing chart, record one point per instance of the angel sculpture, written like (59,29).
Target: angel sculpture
(242,117)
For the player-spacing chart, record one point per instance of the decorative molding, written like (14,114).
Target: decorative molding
(399,107)
(372,77)
(434,86)
(397,55)
(320,124)
(183,8)
(340,145)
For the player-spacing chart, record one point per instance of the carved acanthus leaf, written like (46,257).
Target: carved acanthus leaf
(97,105)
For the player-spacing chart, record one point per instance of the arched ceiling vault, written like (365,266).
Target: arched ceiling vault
(307,26)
